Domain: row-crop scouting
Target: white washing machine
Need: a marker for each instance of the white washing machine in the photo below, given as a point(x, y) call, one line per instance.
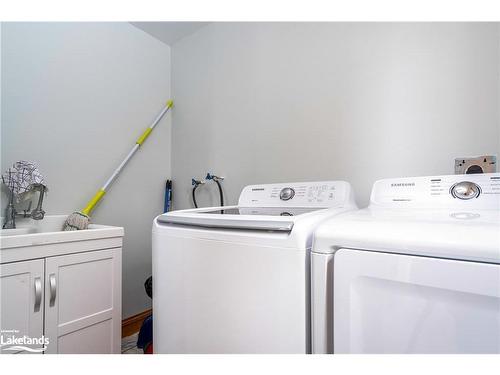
point(236, 279)
point(418, 271)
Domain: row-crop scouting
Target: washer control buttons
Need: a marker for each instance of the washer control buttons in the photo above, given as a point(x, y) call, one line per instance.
point(286, 194)
point(465, 190)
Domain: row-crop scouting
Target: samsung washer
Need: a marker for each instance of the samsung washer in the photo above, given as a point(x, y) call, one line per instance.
point(235, 279)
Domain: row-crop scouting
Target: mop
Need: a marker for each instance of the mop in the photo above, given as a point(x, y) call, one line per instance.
point(80, 220)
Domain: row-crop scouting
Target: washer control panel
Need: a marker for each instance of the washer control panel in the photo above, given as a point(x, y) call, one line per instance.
point(478, 191)
point(299, 194)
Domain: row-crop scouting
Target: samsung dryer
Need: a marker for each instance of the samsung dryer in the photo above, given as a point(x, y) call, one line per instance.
point(418, 271)
point(236, 279)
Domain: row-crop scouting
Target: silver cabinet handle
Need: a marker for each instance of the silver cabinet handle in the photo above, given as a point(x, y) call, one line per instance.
point(53, 288)
point(38, 293)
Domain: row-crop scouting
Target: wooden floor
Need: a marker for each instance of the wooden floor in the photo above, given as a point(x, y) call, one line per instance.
point(133, 324)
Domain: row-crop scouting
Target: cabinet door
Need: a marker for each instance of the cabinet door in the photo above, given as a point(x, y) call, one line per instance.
point(83, 302)
point(21, 304)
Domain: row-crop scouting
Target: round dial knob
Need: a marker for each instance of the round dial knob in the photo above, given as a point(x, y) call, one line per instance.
point(286, 194)
point(465, 190)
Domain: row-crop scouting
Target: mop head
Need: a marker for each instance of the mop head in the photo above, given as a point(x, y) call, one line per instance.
point(76, 221)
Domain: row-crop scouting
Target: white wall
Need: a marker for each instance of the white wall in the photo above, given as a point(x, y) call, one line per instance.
point(274, 102)
point(75, 97)
point(254, 102)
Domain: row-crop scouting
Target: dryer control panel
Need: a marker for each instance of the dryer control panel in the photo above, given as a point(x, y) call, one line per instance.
point(297, 194)
point(475, 191)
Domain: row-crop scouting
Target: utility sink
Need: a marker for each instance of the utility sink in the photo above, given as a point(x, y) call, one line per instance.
point(17, 231)
point(34, 237)
point(50, 224)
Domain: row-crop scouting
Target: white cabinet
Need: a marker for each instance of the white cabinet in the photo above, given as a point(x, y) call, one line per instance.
point(62, 286)
point(21, 301)
point(82, 304)
point(73, 300)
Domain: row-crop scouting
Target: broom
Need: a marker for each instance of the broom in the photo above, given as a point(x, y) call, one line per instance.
point(80, 220)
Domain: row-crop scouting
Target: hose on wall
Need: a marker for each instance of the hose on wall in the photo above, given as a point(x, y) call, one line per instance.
point(197, 183)
point(221, 194)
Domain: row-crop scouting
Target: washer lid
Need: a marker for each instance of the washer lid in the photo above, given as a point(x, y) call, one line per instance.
point(234, 217)
point(257, 211)
point(270, 207)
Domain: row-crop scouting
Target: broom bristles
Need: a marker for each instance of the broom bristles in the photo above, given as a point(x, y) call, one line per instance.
point(76, 221)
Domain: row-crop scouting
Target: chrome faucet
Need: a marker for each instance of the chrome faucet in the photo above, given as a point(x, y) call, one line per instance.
point(10, 212)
